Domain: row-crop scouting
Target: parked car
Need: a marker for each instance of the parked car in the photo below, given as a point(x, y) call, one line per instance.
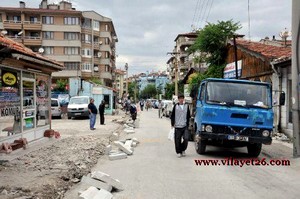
point(55, 109)
point(78, 106)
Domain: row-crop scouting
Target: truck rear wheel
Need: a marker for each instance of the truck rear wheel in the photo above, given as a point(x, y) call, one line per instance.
point(254, 149)
point(200, 146)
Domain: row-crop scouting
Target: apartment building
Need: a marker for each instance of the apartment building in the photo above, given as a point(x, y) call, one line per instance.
point(83, 41)
point(120, 83)
point(180, 59)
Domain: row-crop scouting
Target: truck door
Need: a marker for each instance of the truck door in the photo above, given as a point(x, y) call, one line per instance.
point(199, 106)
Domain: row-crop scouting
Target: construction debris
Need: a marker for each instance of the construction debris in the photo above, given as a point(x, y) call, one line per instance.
point(107, 179)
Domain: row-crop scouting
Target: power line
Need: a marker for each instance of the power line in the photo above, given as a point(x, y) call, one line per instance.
point(196, 8)
point(249, 20)
point(209, 10)
point(200, 14)
point(203, 17)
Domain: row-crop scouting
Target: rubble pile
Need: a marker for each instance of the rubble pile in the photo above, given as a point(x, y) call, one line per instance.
point(281, 137)
point(98, 185)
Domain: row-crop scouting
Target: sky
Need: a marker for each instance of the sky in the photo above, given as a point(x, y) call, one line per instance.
point(146, 29)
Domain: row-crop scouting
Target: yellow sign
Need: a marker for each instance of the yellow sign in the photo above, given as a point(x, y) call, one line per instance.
point(9, 79)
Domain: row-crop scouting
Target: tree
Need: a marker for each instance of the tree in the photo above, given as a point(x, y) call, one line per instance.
point(60, 85)
point(149, 91)
point(212, 42)
point(170, 89)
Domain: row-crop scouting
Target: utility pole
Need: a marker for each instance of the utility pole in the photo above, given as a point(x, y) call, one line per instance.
point(235, 57)
point(126, 68)
point(295, 75)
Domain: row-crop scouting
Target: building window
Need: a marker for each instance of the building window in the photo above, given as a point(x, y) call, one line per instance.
point(71, 51)
point(33, 19)
point(106, 41)
point(86, 38)
point(48, 35)
point(16, 18)
point(72, 65)
point(87, 66)
point(87, 23)
point(107, 68)
point(47, 20)
point(106, 28)
point(0, 17)
point(96, 25)
point(106, 55)
point(49, 50)
point(71, 21)
point(71, 36)
point(86, 52)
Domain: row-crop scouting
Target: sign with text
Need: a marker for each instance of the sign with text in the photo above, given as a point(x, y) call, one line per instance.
point(229, 70)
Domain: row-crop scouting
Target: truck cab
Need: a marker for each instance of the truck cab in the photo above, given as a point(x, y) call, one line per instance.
point(233, 113)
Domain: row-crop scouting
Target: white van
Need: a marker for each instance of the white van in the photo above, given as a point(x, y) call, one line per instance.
point(78, 106)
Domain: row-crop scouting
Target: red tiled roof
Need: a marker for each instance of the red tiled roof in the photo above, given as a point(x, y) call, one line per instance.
point(4, 41)
point(268, 51)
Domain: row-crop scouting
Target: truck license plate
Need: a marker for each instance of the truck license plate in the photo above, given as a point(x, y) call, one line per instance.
point(77, 113)
point(238, 138)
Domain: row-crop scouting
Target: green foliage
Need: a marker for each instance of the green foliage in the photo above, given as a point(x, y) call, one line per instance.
point(60, 85)
point(212, 40)
point(96, 80)
point(149, 91)
point(170, 90)
point(133, 86)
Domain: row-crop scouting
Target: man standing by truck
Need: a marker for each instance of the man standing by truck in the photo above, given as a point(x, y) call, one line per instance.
point(180, 121)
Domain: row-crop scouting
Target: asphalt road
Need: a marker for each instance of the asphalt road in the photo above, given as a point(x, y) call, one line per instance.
point(154, 171)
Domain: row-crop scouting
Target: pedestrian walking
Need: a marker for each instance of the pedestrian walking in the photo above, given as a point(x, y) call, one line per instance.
point(93, 113)
point(142, 105)
point(101, 112)
point(180, 121)
point(159, 106)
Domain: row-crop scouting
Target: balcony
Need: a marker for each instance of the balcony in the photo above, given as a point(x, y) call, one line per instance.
point(32, 41)
point(30, 25)
point(15, 38)
point(105, 75)
point(11, 24)
point(105, 61)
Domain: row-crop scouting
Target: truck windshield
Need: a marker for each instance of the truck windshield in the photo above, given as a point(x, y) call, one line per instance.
point(238, 94)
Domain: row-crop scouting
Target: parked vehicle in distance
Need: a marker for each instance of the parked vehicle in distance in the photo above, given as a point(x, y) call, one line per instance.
point(55, 109)
point(167, 107)
point(78, 107)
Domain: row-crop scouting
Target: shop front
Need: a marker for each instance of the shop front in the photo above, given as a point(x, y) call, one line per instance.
point(24, 92)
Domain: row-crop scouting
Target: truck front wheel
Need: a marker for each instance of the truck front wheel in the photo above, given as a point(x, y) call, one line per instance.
point(200, 146)
point(254, 149)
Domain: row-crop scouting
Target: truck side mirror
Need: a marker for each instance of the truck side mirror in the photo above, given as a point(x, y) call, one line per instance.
point(281, 99)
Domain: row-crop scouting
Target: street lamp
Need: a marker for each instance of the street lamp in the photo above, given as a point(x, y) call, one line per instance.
point(126, 68)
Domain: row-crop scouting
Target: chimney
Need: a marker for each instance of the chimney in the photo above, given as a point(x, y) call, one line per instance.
point(22, 4)
point(273, 38)
point(44, 4)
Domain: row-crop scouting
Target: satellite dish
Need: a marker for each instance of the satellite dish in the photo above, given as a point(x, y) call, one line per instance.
point(99, 54)
point(4, 32)
point(100, 42)
point(96, 69)
point(41, 50)
point(20, 33)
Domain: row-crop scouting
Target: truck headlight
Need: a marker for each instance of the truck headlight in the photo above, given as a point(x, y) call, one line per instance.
point(208, 128)
point(266, 133)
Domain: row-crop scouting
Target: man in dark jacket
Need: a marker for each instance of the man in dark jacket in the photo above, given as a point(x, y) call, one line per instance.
point(101, 112)
point(93, 113)
point(180, 121)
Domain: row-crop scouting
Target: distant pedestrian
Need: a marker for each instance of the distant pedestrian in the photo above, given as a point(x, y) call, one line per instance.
point(101, 112)
point(180, 121)
point(142, 105)
point(159, 106)
point(93, 113)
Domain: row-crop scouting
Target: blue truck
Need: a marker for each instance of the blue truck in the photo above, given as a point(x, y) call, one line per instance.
point(234, 113)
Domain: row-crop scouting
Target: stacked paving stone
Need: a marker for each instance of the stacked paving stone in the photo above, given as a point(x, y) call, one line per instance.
point(124, 147)
point(98, 185)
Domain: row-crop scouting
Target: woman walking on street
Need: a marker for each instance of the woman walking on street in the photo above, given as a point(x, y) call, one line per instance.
point(101, 112)
point(93, 113)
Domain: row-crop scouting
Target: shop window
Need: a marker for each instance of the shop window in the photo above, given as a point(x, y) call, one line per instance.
point(29, 106)
point(107, 101)
point(10, 103)
point(42, 100)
